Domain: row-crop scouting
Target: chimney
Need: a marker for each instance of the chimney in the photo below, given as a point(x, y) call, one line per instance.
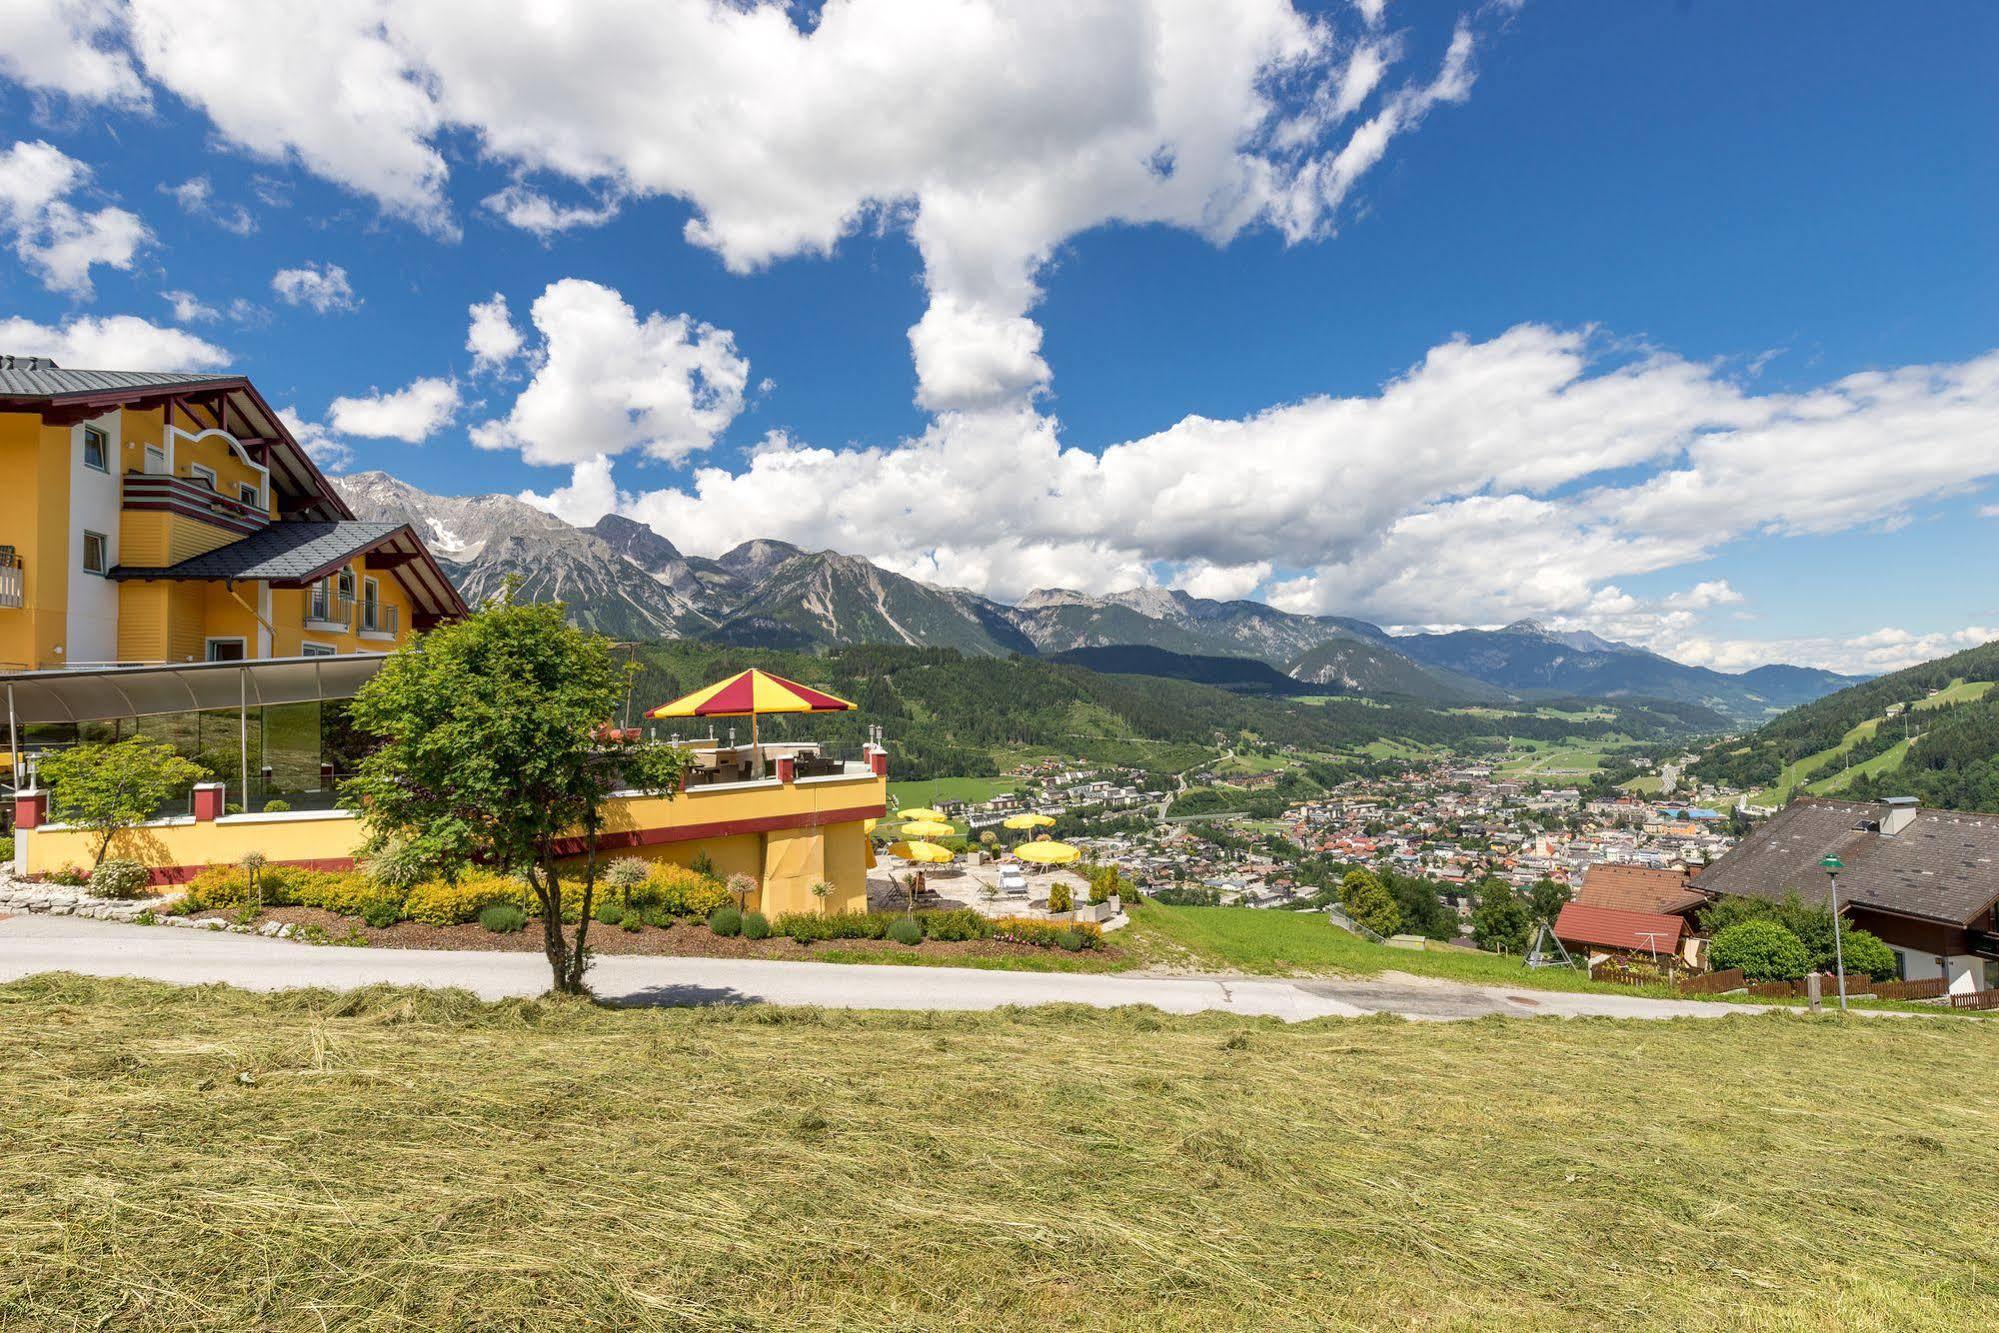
point(1898, 812)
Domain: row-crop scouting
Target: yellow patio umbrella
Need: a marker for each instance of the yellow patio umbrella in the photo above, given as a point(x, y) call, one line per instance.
point(750, 694)
point(920, 851)
point(1028, 821)
point(927, 828)
point(920, 812)
point(1048, 853)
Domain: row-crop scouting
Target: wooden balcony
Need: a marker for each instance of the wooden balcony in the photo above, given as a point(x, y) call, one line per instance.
point(191, 499)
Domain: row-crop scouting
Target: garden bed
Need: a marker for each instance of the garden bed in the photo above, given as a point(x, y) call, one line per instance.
point(685, 939)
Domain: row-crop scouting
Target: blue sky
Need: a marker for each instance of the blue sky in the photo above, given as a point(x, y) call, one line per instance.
point(1555, 316)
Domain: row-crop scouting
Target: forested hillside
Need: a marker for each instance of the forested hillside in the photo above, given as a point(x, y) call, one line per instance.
point(1930, 731)
point(948, 714)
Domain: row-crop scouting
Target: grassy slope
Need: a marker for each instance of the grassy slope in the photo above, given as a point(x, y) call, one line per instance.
point(912, 794)
point(407, 1159)
point(1795, 774)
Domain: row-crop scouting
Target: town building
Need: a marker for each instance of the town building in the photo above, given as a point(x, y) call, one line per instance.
point(1925, 881)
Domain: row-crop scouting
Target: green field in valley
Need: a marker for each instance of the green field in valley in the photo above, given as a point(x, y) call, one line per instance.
point(909, 795)
point(210, 1159)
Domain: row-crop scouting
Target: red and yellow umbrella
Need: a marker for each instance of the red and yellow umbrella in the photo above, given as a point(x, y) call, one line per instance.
point(749, 694)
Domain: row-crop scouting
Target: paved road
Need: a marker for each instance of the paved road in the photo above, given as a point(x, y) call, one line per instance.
point(32, 944)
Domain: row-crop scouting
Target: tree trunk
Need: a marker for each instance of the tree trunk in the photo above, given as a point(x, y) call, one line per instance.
point(578, 957)
point(549, 890)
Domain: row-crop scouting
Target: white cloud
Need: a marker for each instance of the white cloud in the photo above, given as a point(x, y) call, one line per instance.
point(531, 210)
point(1521, 476)
point(412, 414)
point(68, 47)
point(993, 131)
point(113, 342)
point(1887, 649)
point(196, 196)
point(1222, 582)
point(606, 382)
point(52, 236)
point(324, 287)
point(189, 308)
point(492, 338)
point(332, 455)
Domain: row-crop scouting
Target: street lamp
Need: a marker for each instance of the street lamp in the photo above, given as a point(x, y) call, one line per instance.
point(1832, 865)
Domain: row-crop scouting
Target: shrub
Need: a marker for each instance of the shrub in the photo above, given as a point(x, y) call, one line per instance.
point(232, 809)
point(608, 914)
point(702, 865)
point(1060, 899)
point(1764, 950)
point(905, 930)
point(740, 886)
point(726, 920)
point(218, 888)
point(502, 918)
point(439, 902)
point(633, 921)
point(805, 927)
point(382, 912)
point(1070, 940)
point(1046, 934)
point(397, 865)
point(677, 890)
point(1865, 952)
point(71, 877)
point(117, 877)
point(625, 874)
point(756, 926)
point(276, 806)
point(1106, 882)
point(960, 923)
point(7, 850)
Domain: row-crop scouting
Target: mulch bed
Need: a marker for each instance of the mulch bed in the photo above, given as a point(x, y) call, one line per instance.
point(688, 939)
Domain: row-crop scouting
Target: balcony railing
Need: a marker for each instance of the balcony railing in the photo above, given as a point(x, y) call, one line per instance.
point(379, 620)
point(181, 495)
point(13, 582)
point(325, 612)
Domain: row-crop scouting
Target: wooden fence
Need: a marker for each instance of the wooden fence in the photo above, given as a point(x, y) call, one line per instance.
point(1714, 983)
point(1731, 979)
point(1978, 999)
point(1928, 989)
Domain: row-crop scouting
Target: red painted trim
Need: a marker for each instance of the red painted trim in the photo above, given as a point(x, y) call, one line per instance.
point(723, 828)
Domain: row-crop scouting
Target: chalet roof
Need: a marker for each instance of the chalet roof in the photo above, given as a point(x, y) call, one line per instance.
point(1639, 889)
point(1944, 866)
point(39, 377)
point(1610, 928)
point(299, 553)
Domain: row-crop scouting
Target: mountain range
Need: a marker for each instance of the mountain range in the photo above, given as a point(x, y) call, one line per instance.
point(624, 579)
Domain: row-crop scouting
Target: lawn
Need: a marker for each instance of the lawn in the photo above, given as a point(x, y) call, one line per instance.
point(1886, 762)
point(1795, 773)
point(910, 795)
point(1278, 943)
point(211, 1159)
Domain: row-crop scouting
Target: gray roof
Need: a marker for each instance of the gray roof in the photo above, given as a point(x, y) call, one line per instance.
point(1944, 866)
point(280, 553)
point(39, 377)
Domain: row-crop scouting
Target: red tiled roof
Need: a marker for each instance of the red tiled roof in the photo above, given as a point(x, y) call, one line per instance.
point(1611, 928)
point(1638, 889)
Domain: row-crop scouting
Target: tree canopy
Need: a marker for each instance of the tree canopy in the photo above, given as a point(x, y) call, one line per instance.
point(109, 788)
point(487, 754)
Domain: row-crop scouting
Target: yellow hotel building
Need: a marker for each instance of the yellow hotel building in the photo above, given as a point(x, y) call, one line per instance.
point(167, 548)
point(154, 518)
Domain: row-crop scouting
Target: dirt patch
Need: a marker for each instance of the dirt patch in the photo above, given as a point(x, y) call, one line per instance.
point(688, 939)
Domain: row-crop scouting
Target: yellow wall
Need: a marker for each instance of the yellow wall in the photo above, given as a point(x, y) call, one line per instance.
point(785, 862)
point(34, 520)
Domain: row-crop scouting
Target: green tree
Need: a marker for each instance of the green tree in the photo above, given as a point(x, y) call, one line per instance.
point(1501, 920)
point(1370, 903)
point(487, 754)
point(109, 788)
point(1546, 897)
point(1763, 949)
point(1867, 952)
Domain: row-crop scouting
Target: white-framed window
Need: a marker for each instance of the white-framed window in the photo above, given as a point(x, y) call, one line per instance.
point(250, 495)
point(204, 475)
point(156, 461)
point(96, 449)
point(316, 650)
point(227, 650)
point(96, 553)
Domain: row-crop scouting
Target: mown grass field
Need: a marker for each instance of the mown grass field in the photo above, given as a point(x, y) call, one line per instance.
point(209, 1159)
point(912, 794)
